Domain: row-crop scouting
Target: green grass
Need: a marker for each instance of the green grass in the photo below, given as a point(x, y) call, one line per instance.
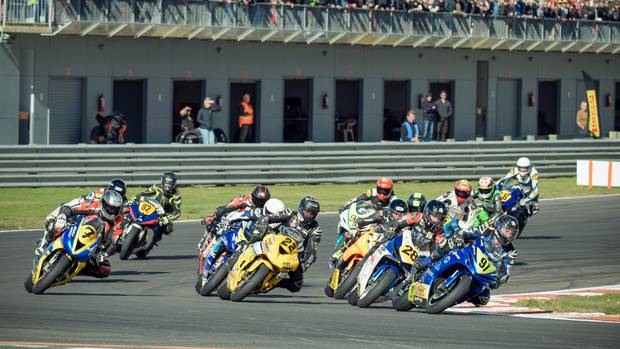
point(28, 207)
point(608, 304)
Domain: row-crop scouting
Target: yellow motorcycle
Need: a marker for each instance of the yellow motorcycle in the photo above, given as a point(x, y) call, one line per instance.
point(262, 265)
point(65, 257)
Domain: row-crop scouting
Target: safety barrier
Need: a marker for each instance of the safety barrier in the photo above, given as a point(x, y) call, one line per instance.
point(87, 165)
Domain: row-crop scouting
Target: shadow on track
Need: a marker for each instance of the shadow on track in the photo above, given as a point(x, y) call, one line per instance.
point(258, 300)
point(133, 272)
point(173, 257)
point(100, 294)
point(542, 237)
point(104, 281)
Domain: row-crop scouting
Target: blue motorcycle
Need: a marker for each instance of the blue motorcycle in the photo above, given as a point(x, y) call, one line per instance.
point(456, 278)
point(212, 266)
point(510, 197)
point(384, 270)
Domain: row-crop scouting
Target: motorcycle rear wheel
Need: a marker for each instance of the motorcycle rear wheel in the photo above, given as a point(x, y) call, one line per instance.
point(28, 284)
point(251, 284)
point(377, 289)
point(214, 281)
point(353, 297)
point(59, 268)
point(453, 296)
point(223, 292)
point(130, 242)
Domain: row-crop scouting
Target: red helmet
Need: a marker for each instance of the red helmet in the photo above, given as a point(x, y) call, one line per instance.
point(384, 188)
point(462, 190)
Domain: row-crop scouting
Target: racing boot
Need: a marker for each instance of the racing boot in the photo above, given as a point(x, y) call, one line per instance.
point(482, 299)
point(99, 270)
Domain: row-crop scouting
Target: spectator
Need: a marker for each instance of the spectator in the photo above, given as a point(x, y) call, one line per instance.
point(246, 119)
point(205, 121)
point(444, 110)
point(582, 118)
point(409, 130)
point(430, 112)
point(187, 123)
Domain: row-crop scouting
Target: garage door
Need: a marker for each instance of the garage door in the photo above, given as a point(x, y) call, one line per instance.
point(65, 103)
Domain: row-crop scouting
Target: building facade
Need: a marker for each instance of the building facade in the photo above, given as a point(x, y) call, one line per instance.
point(301, 91)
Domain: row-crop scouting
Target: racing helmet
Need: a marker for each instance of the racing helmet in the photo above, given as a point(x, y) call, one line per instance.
point(273, 206)
point(260, 195)
point(462, 190)
point(308, 209)
point(434, 216)
point(168, 182)
point(111, 203)
point(384, 189)
point(524, 166)
point(506, 229)
point(397, 208)
point(416, 202)
point(486, 187)
point(119, 186)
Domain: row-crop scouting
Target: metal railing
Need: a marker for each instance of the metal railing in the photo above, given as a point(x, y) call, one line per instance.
point(80, 165)
point(303, 18)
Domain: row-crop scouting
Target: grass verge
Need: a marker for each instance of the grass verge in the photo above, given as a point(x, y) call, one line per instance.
point(22, 208)
point(608, 304)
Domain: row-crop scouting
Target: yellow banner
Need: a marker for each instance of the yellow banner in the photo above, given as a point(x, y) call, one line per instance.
point(593, 110)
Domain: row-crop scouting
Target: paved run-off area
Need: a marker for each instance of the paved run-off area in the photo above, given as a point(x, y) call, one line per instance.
point(570, 244)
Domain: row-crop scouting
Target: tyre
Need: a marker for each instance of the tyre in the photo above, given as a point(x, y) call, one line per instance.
point(223, 292)
point(198, 284)
point(57, 270)
point(250, 284)
point(377, 289)
point(149, 243)
point(328, 290)
point(28, 283)
point(353, 297)
point(401, 302)
point(347, 283)
point(458, 291)
point(130, 242)
point(214, 281)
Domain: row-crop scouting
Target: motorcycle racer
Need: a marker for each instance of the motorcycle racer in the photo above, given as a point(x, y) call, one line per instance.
point(257, 199)
point(104, 211)
point(488, 195)
point(526, 176)
point(459, 201)
point(168, 196)
point(304, 221)
point(379, 196)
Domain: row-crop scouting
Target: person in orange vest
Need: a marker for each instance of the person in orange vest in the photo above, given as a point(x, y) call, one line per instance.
point(246, 119)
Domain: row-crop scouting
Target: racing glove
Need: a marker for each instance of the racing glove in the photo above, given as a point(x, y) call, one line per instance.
point(60, 222)
point(523, 202)
point(456, 241)
point(164, 220)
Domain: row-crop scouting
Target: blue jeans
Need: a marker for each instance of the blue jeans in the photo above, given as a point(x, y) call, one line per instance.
point(208, 136)
point(429, 124)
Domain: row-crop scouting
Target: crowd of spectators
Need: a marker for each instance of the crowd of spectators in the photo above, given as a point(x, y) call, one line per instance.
point(558, 9)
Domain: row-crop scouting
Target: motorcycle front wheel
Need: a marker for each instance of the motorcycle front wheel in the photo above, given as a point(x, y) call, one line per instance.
point(251, 284)
point(56, 271)
point(451, 298)
point(377, 289)
point(214, 281)
point(129, 243)
point(348, 283)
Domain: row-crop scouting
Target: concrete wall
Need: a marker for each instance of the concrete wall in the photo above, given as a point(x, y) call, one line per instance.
point(101, 60)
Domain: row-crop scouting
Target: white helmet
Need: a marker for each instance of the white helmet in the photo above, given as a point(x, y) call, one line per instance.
point(524, 166)
point(273, 206)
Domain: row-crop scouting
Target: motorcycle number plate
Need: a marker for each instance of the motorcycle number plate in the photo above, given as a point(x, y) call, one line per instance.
point(146, 208)
point(505, 195)
point(418, 290)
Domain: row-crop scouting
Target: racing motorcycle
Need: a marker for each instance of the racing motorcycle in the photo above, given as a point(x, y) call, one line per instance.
point(459, 276)
point(384, 270)
point(344, 273)
point(347, 228)
point(510, 197)
point(213, 258)
point(263, 264)
point(65, 257)
point(138, 236)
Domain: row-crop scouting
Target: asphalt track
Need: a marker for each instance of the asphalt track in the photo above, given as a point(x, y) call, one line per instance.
point(571, 243)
